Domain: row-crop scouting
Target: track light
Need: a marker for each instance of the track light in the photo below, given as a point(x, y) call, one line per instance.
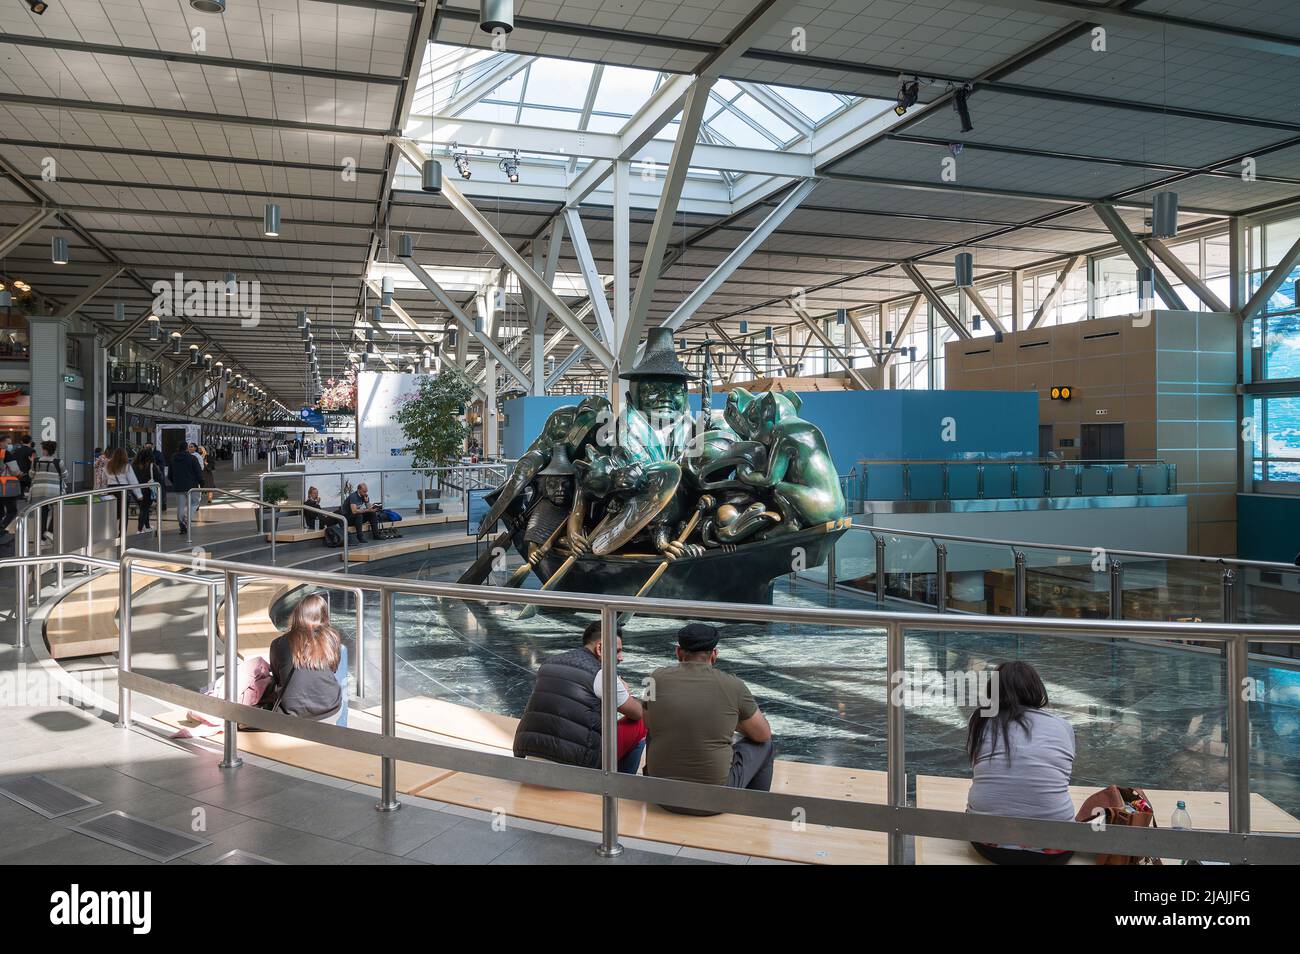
point(908, 91)
point(462, 162)
point(38, 6)
point(271, 220)
point(59, 250)
point(959, 103)
point(510, 166)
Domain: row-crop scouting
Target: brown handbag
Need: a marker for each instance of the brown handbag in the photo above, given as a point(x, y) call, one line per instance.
point(1118, 804)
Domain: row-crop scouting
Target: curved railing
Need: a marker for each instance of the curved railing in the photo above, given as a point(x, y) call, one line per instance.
point(461, 477)
point(275, 508)
point(896, 817)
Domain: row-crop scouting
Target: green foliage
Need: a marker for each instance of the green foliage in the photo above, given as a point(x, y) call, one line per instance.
point(275, 493)
point(430, 419)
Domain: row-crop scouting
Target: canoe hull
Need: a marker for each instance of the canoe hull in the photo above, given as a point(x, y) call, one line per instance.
point(741, 575)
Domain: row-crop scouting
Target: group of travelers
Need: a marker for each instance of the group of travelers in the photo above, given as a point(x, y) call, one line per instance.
point(356, 509)
point(701, 724)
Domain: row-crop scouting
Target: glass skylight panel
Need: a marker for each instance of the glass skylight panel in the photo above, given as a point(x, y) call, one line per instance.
point(738, 132)
point(766, 118)
point(557, 83)
point(624, 90)
point(815, 105)
point(550, 118)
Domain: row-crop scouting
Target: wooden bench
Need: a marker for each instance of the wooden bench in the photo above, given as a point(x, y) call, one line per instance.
point(382, 551)
point(84, 621)
point(431, 520)
point(1209, 810)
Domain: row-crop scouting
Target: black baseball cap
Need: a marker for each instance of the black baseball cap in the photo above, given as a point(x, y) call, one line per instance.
point(697, 637)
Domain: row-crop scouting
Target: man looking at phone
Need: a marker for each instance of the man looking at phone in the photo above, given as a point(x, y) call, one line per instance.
point(359, 510)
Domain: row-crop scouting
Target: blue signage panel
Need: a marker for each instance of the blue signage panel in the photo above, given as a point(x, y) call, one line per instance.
point(478, 507)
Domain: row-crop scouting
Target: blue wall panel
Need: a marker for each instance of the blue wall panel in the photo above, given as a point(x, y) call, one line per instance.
point(871, 425)
point(1268, 527)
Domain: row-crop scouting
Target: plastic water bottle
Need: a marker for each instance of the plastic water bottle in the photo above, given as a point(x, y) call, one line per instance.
point(1180, 817)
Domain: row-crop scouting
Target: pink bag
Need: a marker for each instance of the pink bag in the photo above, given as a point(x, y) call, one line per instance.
point(254, 680)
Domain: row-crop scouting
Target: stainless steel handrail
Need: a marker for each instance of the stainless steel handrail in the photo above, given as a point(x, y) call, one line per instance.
point(189, 527)
point(500, 466)
point(35, 508)
point(984, 461)
point(896, 818)
point(1014, 466)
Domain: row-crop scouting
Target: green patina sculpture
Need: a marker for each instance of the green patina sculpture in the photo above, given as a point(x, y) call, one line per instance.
point(657, 483)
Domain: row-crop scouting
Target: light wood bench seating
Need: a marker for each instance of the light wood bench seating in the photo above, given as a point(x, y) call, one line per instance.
point(84, 621)
point(382, 551)
point(431, 520)
point(1209, 810)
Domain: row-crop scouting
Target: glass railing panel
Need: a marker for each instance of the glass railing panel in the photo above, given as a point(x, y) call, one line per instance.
point(924, 481)
point(1094, 480)
point(1124, 479)
point(910, 568)
point(1066, 583)
point(1268, 596)
point(882, 482)
point(1153, 715)
point(981, 578)
point(1155, 478)
point(1175, 590)
point(1063, 481)
point(1031, 480)
point(854, 556)
point(963, 481)
point(997, 480)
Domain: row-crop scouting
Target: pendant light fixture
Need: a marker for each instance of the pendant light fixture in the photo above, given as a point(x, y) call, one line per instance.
point(176, 342)
point(302, 319)
point(964, 268)
point(155, 328)
point(271, 220)
point(230, 284)
point(1164, 215)
point(196, 359)
point(431, 176)
point(386, 291)
point(59, 250)
point(405, 246)
point(119, 311)
point(496, 15)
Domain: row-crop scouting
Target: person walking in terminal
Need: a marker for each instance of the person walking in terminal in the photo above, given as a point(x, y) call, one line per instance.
point(1021, 757)
point(310, 665)
point(561, 722)
point(703, 724)
point(120, 474)
point(186, 474)
point(49, 479)
point(359, 510)
point(311, 519)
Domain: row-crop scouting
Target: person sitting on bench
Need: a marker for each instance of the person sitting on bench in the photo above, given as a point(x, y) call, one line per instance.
point(310, 518)
point(703, 724)
point(358, 509)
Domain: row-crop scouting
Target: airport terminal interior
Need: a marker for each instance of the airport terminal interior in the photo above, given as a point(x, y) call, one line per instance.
point(649, 432)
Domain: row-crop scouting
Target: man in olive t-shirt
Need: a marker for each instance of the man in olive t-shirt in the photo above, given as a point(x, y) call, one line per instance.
point(693, 718)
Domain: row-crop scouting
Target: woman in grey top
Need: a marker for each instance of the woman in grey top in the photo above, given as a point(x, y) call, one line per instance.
point(1021, 758)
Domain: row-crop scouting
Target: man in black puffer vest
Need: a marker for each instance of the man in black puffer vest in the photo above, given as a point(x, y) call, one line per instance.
point(561, 722)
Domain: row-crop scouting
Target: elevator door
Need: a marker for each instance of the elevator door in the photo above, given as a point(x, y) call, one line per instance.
point(1103, 442)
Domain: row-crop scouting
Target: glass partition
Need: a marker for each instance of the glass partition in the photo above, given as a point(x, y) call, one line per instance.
point(1066, 583)
point(909, 568)
point(981, 578)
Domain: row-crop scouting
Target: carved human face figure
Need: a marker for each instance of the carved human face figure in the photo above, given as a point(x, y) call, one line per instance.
point(662, 400)
point(556, 490)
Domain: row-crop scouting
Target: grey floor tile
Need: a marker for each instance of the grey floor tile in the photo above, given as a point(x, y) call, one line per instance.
point(319, 810)
point(471, 842)
point(286, 845)
point(367, 857)
point(74, 848)
point(538, 849)
point(237, 787)
point(401, 832)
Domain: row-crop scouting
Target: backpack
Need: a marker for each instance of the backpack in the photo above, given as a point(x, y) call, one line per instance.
point(333, 538)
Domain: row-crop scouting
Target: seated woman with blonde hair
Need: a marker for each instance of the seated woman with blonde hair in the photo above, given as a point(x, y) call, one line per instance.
point(310, 665)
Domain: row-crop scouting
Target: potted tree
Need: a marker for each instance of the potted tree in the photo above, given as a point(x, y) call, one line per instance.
point(431, 423)
point(272, 494)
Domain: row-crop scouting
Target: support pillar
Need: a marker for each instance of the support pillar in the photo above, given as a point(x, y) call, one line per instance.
point(94, 398)
point(47, 337)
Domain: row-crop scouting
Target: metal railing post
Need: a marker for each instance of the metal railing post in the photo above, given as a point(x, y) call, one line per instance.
point(880, 571)
point(1237, 651)
point(896, 771)
point(830, 568)
point(1229, 594)
point(124, 573)
point(360, 663)
point(275, 519)
point(189, 516)
point(230, 730)
point(347, 531)
point(387, 702)
point(210, 628)
point(1022, 601)
point(609, 846)
point(1116, 590)
point(121, 525)
point(941, 577)
point(20, 604)
point(90, 527)
point(58, 516)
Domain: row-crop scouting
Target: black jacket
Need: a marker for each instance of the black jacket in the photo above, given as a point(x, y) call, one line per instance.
point(561, 722)
point(186, 474)
point(310, 693)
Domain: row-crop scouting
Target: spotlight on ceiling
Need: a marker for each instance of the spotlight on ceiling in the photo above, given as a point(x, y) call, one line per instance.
point(960, 97)
point(38, 6)
point(908, 91)
point(462, 162)
point(209, 6)
point(496, 15)
point(510, 166)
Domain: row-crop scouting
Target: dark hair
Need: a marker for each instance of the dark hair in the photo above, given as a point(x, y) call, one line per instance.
point(1019, 689)
point(49, 447)
point(591, 635)
point(313, 642)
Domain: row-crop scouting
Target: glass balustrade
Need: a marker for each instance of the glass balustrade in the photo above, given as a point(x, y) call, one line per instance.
point(923, 480)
